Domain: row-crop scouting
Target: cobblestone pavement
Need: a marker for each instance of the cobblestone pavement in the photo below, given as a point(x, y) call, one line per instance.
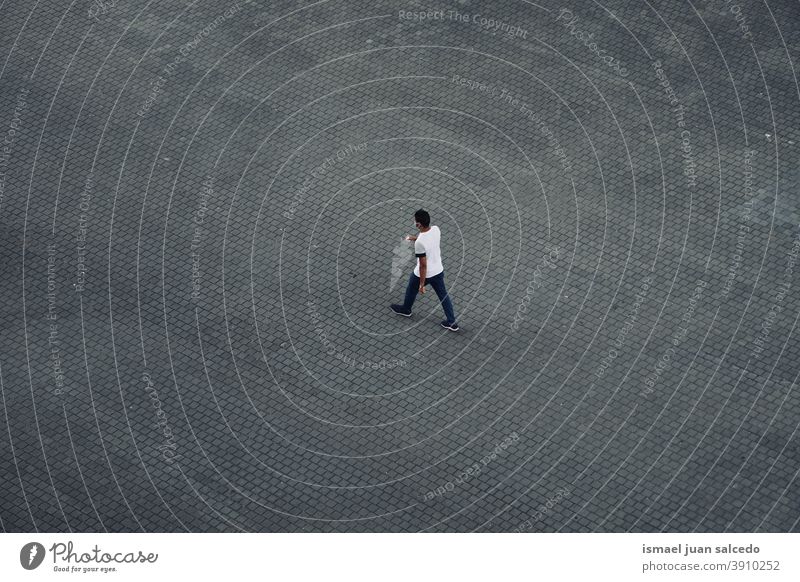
point(202, 207)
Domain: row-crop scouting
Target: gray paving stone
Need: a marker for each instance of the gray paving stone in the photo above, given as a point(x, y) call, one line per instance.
point(225, 359)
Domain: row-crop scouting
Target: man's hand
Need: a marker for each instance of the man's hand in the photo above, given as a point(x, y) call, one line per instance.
point(411, 238)
point(422, 289)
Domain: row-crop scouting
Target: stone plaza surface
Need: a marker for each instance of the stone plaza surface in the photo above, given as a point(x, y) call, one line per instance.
point(202, 208)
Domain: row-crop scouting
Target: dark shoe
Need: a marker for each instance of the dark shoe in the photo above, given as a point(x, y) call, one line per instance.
point(451, 326)
point(398, 309)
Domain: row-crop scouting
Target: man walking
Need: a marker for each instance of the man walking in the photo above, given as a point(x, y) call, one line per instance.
point(429, 269)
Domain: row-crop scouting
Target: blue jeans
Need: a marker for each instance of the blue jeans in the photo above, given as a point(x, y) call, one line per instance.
point(437, 282)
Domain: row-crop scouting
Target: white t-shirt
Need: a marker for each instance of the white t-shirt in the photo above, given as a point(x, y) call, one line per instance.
point(427, 245)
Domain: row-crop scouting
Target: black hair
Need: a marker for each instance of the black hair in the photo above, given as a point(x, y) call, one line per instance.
point(423, 218)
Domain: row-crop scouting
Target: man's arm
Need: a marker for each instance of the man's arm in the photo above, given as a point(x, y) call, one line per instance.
point(419, 251)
